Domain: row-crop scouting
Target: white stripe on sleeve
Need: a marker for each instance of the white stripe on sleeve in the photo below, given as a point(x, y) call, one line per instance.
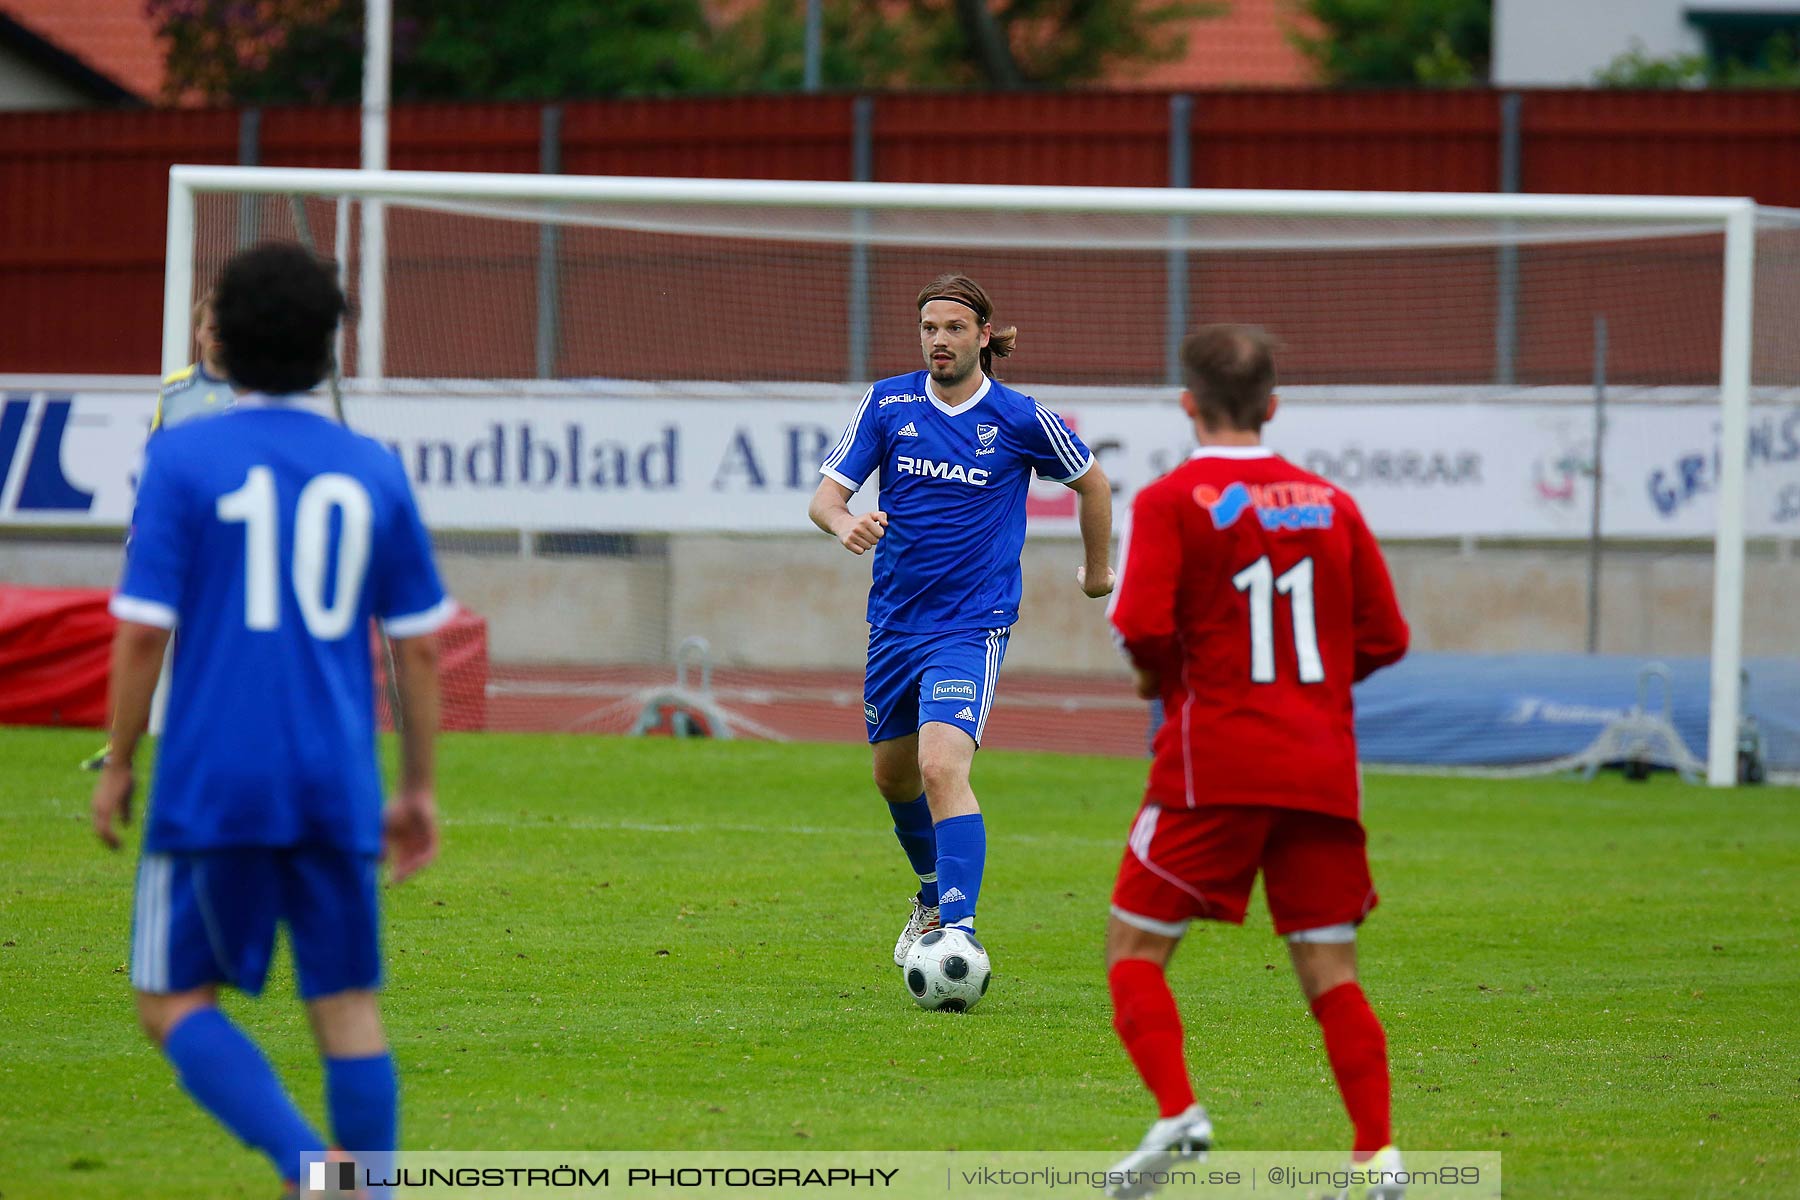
point(140, 611)
point(411, 625)
point(848, 438)
point(1060, 441)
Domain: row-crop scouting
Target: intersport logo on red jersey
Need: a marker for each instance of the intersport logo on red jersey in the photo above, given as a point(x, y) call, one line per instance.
point(1287, 504)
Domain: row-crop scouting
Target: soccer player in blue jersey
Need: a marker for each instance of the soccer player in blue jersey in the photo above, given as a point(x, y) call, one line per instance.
point(955, 450)
point(271, 536)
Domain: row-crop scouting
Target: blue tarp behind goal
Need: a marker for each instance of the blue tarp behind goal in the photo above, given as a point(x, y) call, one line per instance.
point(1496, 710)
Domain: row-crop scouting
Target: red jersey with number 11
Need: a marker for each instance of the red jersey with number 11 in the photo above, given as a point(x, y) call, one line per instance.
point(1258, 595)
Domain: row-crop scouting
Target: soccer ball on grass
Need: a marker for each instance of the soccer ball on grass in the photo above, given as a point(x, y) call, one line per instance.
point(947, 969)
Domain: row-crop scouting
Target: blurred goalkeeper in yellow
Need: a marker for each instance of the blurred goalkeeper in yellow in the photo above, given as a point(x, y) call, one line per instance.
point(197, 390)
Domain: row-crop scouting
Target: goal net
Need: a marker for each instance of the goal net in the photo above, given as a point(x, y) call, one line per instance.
point(1573, 422)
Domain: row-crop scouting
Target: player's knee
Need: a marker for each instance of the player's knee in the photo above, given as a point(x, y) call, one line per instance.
point(943, 773)
point(151, 1022)
point(158, 1013)
point(897, 782)
point(1323, 958)
point(1125, 941)
point(348, 1024)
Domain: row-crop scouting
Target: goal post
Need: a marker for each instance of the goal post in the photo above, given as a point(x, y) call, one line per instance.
point(1148, 227)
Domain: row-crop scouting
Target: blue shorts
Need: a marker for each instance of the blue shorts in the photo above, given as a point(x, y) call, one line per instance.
point(210, 918)
point(918, 677)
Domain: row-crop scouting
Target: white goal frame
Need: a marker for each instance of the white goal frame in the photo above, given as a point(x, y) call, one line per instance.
point(1735, 218)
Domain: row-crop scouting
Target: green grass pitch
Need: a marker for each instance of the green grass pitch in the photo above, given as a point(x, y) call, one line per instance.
point(639, 945)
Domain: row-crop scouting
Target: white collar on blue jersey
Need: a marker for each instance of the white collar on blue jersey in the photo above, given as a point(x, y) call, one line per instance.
point(311, 402)
point(1242, 452)
point(965, 406)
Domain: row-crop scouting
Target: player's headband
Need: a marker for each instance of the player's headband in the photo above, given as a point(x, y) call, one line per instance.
point(954, 300)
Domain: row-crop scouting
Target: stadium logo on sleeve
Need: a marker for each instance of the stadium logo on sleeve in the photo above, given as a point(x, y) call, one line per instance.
point(1289, 504)
point(954, 689)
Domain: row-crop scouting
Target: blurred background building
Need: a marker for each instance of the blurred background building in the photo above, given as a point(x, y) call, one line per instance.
point(77, 54)
point(1553, 43)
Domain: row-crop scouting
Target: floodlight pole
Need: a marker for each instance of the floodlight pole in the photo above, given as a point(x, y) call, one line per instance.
point(1728, 545)
point(372, 278)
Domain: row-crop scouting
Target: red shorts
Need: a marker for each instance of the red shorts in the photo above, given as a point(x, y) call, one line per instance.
point(1182, 863)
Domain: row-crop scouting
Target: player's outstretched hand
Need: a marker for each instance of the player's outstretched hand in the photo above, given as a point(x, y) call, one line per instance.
point(409, 833)
point(1096, 588)
point(112, 801)
point(864, 533)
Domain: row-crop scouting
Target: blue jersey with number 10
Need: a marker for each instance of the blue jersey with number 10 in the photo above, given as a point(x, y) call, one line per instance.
point(268, 538)
point(953, 484)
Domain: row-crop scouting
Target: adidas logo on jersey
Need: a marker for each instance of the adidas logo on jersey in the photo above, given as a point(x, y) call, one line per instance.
point(952, 896)
point(907, 430)
point(967, 714)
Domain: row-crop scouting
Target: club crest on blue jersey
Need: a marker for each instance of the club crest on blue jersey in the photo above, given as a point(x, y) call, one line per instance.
point(987, 433)
point(1289, 504)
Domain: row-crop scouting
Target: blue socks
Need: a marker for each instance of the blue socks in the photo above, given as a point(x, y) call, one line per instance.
point(962, 853)
point(362, 1096)
point(228, 1076)
point(912, 825)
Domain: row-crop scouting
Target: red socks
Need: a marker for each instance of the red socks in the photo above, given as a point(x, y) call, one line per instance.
point(1357, 1048)
point(1147, 1021)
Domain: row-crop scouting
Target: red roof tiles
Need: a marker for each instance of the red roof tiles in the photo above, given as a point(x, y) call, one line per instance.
point(113, 37)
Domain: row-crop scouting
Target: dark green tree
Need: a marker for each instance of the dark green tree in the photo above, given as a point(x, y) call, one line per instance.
point(1399, 43)
point(279, 51)
point(1047, 42)
point(282, 51)
point(1775, 64)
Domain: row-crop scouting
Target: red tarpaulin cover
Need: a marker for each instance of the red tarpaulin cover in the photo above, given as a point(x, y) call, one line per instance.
point(56, 650)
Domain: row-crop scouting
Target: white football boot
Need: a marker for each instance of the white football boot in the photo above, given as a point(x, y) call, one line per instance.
point(1186, 1135)
point(1382, 1177)
point(922, 921)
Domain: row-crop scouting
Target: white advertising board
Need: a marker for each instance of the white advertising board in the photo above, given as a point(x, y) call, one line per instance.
point(743, 458)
